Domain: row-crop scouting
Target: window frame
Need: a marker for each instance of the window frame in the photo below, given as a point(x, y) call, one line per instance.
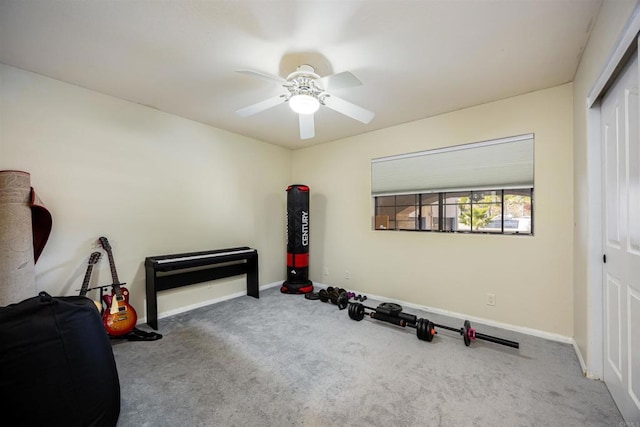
point(442, 210)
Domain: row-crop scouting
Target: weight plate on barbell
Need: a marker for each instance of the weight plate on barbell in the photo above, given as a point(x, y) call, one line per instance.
point(425, 330)
point(421, 329)
point(324, 297)
point(390, 308)
point(356, 311)
point(431, 329)
point(465, 333)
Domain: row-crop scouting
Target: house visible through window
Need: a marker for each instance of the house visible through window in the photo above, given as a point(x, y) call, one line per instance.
point(475, 188)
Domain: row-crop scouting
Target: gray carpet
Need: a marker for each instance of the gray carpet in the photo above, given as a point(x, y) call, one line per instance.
point(282, 360)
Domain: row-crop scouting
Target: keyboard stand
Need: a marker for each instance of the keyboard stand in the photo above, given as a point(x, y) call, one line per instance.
point(195, 267)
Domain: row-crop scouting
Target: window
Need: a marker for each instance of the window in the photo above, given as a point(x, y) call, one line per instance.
point(488, 211)
point(475, 188)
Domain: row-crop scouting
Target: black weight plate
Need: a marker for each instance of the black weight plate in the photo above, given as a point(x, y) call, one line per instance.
point(356, 311)
point(351, 311)
point(312, 296)
point(333, 295)
point(431, 329)
point(390, 308)
point(425, 330)
point(465, 333)
point(323, 295)
point(421, 329)
point(343, 301)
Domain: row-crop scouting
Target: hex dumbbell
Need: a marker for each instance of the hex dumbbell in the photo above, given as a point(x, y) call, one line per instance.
point(337, 296)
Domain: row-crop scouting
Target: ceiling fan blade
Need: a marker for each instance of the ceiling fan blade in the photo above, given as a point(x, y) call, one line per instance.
point(263, 76)
point(339, 81)
point(261, 106)
point(307, 126)
point(348, 109)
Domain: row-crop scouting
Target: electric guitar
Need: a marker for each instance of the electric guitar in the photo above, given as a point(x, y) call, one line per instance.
point(119, 317)
point(93, 260)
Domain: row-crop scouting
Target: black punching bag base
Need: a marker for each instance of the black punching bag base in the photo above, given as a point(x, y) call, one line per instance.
point(296, 288)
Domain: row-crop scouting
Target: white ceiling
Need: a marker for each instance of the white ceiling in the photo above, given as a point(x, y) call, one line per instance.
point(415, 58)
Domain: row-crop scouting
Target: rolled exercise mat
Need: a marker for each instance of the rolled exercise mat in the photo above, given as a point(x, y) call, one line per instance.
point(17, 269)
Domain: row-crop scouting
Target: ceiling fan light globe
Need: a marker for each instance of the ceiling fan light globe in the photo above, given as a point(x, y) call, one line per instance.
point(304, 104)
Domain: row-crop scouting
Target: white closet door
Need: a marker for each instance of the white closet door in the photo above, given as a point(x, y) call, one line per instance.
point(620, 118)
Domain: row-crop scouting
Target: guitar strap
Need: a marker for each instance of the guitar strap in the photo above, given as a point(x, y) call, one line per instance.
point(140, 335)
point(41, 223)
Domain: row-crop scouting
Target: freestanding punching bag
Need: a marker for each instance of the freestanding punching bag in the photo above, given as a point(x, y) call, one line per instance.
point(297, 241)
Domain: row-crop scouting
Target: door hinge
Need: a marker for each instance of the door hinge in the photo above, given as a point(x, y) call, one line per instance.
point(604, 258)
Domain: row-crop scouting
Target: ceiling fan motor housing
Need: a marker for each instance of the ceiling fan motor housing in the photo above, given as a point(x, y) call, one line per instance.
point(303, 82)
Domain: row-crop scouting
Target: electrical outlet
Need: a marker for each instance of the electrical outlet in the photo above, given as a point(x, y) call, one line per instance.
point(346, 274)
point(491, 299)
point(326, 271)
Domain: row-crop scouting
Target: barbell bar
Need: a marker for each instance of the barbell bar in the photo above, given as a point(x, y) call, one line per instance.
point(425, 329)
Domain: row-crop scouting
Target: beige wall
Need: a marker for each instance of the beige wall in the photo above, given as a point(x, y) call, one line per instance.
point(531, 277)
point(109, 167)
point(151, 182)
point(604, 36)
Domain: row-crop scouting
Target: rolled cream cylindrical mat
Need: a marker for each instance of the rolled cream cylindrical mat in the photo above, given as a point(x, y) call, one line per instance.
point(17, 269)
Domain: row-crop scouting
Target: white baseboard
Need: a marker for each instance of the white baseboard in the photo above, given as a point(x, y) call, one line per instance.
point(521, 329)
point(583, 365)
point(190, 307)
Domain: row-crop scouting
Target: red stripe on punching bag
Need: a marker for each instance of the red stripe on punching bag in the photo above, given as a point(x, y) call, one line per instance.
point(300, 187)
point(301, 260)
point(297, 260)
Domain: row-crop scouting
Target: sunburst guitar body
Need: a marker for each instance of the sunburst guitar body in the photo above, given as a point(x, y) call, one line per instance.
point(119, 317)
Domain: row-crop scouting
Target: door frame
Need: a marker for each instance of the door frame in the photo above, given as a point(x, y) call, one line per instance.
point(595, 283)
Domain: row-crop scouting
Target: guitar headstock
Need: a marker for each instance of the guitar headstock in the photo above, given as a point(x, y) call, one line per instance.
point(104, 243)
point(94, 258)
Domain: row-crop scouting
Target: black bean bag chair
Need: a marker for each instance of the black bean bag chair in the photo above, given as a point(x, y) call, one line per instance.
point(56, 364)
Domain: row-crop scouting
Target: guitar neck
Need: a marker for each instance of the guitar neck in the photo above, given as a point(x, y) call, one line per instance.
point(85, 281)
point(114, 273)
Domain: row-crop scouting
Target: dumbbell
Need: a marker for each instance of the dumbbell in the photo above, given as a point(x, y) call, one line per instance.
point(392, 313)
point(337, 296)
point(356, 297)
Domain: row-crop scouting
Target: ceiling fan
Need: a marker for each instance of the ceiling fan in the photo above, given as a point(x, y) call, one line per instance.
point(307, 91)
